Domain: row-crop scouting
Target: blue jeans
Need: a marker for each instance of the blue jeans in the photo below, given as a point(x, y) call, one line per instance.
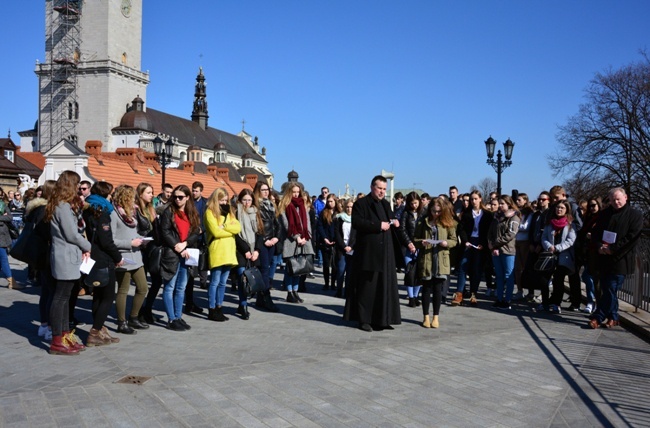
point(472, 263)
point(217, 287)
point(590, 287)
point(4, 263)
point(174, 292)
point(608, 305)
point(504, 265)
point(343, 272)
point(293, 282)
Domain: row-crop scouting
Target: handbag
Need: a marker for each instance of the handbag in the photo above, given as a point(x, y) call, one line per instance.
point(97, 277)
point(252, 278)
point(300, 264)
point(154, 259)
point(20, 249)
point(546, 262)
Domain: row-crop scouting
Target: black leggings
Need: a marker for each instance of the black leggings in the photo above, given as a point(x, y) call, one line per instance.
point(103, 298)
point(59, 310)
point(329, 263)
point(156, 283)
point(429, 287)
point(48, 286)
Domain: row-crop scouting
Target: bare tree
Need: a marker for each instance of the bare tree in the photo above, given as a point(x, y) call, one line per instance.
point(485, 186)
point(607, 142)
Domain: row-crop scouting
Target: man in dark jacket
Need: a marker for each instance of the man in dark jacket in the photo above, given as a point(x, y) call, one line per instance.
point(618, 230)
point(374, 300)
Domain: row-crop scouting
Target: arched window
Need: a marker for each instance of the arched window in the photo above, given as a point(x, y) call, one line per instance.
point(124, 58)
point(70, 111)
point(183, 156)
point(76, 110)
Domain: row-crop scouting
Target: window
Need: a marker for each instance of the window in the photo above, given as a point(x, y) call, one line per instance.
point(9, 154)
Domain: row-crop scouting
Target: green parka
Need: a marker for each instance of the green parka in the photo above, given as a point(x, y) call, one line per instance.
point(426, 254)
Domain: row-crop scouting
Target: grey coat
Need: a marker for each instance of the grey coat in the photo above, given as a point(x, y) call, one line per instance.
point(564, 249)
point(67, 244)
point(122, 236)
point(290, 246)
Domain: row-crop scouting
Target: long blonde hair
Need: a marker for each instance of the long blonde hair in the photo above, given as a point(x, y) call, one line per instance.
point(213, 203)
point(286, 197)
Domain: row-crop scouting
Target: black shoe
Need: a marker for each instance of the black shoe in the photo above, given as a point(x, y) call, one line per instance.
point(185, 325)
point(137, 324)
point(417, 302)
point(496, 304)
point(290, 298)
point(196, 309)
point(243, 311)
point(124, 328)
point(573, 308)
point(505, 305)
point(175, 325)
point(365, 327)
point(218, 315)
point(411, 302)
point(268, 302)
point(338, 294)
point(146, 316)
point(204, 286)
point(296, 296)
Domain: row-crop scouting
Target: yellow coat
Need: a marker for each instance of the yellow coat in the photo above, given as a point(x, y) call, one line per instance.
point(220, 234)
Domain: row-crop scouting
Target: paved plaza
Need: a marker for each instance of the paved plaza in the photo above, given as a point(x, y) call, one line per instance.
point(305, 367)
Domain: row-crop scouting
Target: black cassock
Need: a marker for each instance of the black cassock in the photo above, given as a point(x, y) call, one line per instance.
point(373, 297)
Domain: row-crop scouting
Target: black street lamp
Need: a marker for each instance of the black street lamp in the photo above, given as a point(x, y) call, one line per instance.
point(499, 165)
point(164, 150)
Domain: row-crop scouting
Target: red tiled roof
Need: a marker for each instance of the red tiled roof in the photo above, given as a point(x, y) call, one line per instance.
point(129, 166)
point(35, 158)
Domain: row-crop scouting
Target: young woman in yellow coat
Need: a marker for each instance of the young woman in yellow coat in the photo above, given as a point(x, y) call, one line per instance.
point(221, 227)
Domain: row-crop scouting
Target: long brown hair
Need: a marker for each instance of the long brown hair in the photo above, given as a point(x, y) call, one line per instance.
point(327, 213)
point(190, 210)
point(260, 223)
point(124, 197)
point(65, 191)
point(446, 217)
point(146, 208)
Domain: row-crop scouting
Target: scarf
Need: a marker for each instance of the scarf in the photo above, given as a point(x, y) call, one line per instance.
point(267, 205)
point(129, 221)
point(248, 220)
point(347, 218)
point(559, 223)
point(99, 203)
point(297, 218)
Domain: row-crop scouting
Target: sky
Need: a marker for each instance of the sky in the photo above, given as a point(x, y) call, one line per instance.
point(340, 90)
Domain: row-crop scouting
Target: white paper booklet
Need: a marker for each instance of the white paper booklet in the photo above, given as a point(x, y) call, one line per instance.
point(86, 265)
point(193, 260)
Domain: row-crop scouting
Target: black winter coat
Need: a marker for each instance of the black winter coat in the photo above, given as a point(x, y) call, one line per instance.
point(169, 237)
point(99, 234)
point(627, 223)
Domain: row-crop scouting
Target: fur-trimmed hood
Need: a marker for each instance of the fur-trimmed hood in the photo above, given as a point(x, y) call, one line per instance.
point(35, 203)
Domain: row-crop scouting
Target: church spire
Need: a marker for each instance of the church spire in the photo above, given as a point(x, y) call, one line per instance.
point(200, 108)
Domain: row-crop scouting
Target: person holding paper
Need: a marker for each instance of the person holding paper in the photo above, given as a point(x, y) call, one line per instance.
point(435, 234)
point(124, 224)
point(221, 226)
point(97, 217)
point(69, 249)
point(618, 230)
point(179, 230)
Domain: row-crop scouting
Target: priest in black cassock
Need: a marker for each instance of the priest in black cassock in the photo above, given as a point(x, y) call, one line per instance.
point(373, 300)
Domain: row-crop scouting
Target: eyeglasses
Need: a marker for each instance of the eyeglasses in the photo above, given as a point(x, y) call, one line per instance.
point(543, 199)
point(179, 197)
point(247, 201)
point(264, 190)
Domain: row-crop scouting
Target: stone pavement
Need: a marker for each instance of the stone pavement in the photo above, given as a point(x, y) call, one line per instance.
point(305, 367)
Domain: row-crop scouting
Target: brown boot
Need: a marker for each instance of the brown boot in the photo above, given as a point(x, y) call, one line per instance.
point(12, 285)
point(95, 338)
point(458, 299)
point(472, 300)
point(427, 322)
point(434, 322)
point(104, 333)
point(59, 347)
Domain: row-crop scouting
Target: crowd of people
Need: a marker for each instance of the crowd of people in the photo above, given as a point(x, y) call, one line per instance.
point(122, 235)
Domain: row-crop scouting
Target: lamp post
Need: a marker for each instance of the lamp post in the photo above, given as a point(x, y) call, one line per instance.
point(499, 165)
point(164, 150)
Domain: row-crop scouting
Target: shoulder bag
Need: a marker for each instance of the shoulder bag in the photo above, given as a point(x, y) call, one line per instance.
point(252, 278)
point(300, 263)
point(97, 277)
point(546, 262)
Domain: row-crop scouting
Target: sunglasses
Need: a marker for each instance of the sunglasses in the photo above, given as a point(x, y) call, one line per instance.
point(179, 197)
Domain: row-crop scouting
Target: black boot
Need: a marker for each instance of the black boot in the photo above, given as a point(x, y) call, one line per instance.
point(218, 315)
point(243, 311)
point(297, 298)
point(146, 315)
point(137, 324)
point(270, 306)
point(411, 302)
point(211, 313)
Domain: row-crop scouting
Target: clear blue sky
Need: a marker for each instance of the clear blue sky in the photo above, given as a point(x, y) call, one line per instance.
point(340, 89)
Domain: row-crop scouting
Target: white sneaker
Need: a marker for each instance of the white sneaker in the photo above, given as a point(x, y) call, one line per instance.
point(588, 309)
point(42, 330)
